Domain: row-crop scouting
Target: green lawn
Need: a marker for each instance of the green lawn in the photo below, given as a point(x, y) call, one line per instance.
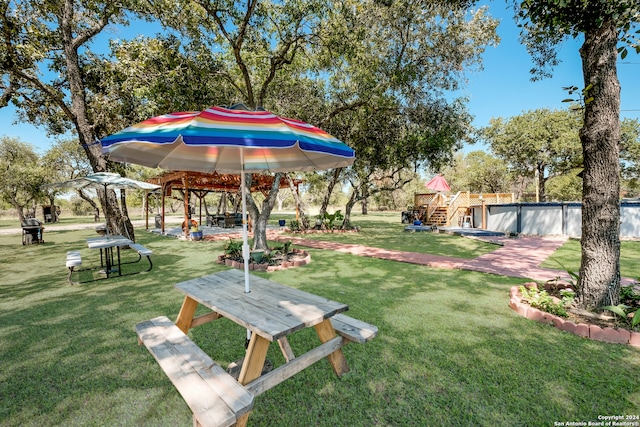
point(450, 352)
point(568, 256)
point(387, 232)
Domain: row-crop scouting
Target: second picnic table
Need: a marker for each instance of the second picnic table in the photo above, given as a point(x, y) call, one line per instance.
point(106, 245)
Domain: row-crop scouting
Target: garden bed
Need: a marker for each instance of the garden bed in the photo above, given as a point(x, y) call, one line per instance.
point(280, 261)
point(587, 325)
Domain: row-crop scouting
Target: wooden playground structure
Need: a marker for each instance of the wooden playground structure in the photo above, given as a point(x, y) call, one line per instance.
point(453, 210)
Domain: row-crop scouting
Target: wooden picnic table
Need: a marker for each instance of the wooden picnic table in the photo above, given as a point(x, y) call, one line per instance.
point(271, 312)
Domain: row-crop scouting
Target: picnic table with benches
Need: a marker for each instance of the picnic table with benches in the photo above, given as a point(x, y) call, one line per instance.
point(109, 262)
point(271, 312)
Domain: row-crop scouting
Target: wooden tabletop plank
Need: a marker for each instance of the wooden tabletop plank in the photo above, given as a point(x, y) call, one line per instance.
point(249, 310)
point(306, 307)
point(271, 310)
point(240, 310)
point(279, 290)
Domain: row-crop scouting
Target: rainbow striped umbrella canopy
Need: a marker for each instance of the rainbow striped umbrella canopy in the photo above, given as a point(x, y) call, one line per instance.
point(227, 141)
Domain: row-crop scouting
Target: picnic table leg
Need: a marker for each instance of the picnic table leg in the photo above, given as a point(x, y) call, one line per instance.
point(254, 359)
point(287, 352)
point(119, 265)
point(108, 254)
point(187, 311)
point(338, 361)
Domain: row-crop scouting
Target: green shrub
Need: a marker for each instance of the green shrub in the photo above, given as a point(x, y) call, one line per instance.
point(545, 302)
point(233, 249)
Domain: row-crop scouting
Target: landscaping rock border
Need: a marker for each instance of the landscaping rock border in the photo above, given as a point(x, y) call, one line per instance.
point(594, 332)
point(268, 268)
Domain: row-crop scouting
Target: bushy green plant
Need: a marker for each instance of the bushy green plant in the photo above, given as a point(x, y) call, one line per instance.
point(545, 302)
point(624, 313)
point(284, 248)
point(630, 315)
point(627, 293)
point(329, 220)
point(233, 249)
point(295, 225)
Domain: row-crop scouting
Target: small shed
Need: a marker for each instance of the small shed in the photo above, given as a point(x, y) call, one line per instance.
point(50, 213)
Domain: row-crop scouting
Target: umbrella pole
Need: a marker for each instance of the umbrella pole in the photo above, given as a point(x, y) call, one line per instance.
point(245, 238)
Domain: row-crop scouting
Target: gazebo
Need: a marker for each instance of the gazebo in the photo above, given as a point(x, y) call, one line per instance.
point(200, 184)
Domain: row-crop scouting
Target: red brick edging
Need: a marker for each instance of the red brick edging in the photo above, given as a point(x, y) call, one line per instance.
point(594, 332)
point(268, 268)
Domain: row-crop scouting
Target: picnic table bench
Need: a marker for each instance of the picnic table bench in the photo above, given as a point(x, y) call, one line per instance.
point(109, 262)
point(271, 312)
point(214, 397)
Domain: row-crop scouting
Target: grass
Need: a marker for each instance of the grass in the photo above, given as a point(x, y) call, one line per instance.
point(568, 255)
point(385, 231)
point(450, 351)
point(64, 220)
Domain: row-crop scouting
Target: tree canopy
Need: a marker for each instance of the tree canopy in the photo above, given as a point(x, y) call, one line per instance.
point(359, 69)
point(21, 175)
point(538, 144)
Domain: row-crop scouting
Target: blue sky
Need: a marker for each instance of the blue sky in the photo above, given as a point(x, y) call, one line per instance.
point(503, 89)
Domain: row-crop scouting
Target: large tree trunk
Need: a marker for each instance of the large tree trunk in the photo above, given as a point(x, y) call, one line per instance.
point(78, 110)
point(346, 221)
point(302, 216)
point(327, 195)
point(541, 182)
point(125, 228)
point(599, 282)
point(260, 219)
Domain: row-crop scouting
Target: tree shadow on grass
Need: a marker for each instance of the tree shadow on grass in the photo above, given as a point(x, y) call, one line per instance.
point(449, 350)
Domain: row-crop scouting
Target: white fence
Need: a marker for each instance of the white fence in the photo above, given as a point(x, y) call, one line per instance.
point(550, 218)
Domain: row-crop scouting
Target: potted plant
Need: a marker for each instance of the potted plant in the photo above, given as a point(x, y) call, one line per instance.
point(257, 256)
point(195, 233)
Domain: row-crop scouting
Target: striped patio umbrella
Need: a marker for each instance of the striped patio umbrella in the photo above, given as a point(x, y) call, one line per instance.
point(228, 140)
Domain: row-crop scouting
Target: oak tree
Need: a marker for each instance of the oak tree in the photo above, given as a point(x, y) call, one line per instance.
point(539, 144)
point(607, 30)
point(44, 45)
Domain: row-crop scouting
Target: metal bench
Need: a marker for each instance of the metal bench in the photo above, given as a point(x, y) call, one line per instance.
point(74, 259)
point(143, 251)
